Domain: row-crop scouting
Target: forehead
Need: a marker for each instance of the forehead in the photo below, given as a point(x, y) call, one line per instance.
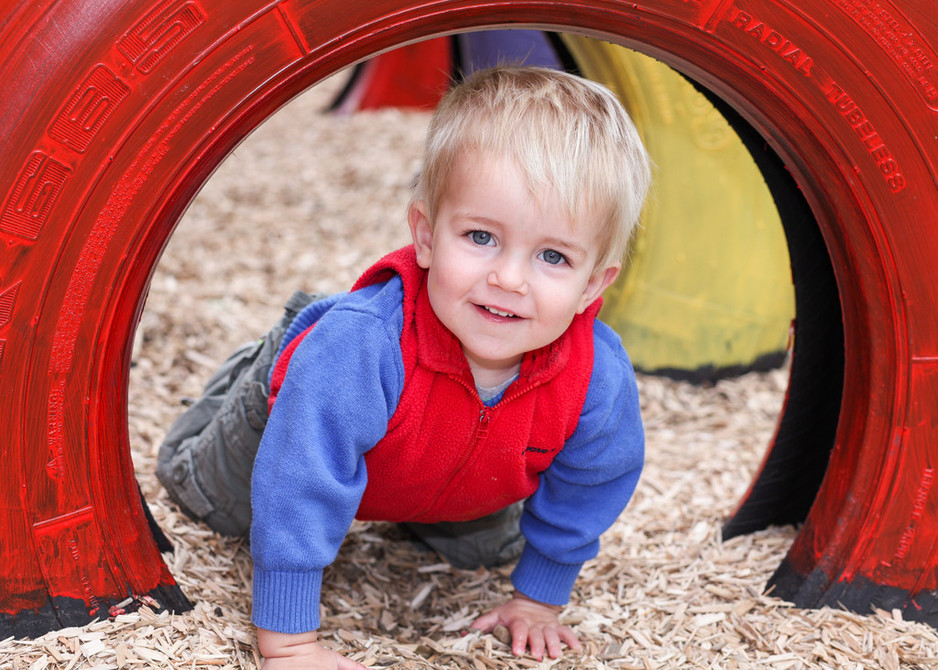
point(484, 178)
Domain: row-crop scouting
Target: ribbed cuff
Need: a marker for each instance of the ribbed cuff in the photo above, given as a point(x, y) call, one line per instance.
point(542, 579)
point(286, 602)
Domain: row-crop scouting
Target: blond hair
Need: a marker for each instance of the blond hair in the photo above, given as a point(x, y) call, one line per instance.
point(565, 133)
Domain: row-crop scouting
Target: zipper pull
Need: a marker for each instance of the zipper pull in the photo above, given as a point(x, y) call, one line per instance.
point(484, 417)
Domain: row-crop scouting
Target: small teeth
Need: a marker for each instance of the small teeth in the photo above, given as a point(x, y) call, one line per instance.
point(498, 312)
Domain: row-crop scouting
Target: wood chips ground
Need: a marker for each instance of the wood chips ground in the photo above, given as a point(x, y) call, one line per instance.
point(309, 201)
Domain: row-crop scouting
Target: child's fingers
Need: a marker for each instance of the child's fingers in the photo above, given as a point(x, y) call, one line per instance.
point(556, 636)
point(519, 637)
point(552, 640)
point(569, 637)
point(537, 641)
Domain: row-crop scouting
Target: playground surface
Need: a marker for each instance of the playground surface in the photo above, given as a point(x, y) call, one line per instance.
point(308, 202)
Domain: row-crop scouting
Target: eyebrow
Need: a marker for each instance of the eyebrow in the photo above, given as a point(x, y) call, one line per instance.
point(472, 218)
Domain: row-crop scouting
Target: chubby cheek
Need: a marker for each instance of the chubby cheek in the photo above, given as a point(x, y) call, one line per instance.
point(452, 283)
point(445, 295)
point(561, 308)
point(438, 289)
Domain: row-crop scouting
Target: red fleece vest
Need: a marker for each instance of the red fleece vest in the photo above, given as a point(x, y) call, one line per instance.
point(446, 456)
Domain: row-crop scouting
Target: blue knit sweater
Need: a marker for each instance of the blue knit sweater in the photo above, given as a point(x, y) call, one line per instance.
point(343, 386)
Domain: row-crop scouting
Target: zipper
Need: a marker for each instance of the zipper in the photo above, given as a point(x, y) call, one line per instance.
point(478, 436)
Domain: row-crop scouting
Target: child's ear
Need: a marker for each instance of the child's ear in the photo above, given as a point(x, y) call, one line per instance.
point(420, 231)
point(598, 283)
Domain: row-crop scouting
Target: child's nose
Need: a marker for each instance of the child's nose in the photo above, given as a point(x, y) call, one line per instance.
point(509, 276)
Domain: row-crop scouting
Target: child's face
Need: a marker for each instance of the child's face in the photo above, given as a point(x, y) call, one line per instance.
point(507, 271)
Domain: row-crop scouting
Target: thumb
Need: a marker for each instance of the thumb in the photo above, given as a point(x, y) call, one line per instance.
point(486, 623)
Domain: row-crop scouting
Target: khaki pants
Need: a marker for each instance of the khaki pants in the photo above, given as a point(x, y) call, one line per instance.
point(206, 458)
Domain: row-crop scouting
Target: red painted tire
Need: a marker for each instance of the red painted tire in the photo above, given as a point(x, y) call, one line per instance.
point(114, 113)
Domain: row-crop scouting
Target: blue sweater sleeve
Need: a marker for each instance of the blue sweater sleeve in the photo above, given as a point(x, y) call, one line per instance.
point(306, 318)
point(341, 388)
point(590, 481)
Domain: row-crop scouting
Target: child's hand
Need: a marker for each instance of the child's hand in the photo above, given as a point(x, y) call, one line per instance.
point(531, 624)
point(282, 651)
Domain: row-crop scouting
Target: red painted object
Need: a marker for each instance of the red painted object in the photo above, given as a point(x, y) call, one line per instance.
point(413, 77)
point(115, 111)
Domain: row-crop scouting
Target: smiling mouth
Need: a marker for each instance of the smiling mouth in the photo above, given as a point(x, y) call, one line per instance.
point(499, 312)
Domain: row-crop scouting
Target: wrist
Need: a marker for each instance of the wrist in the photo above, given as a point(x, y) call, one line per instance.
point(272, 644)
point(520, 596)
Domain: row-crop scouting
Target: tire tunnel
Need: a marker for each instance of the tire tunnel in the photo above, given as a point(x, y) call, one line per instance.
point(108, 130)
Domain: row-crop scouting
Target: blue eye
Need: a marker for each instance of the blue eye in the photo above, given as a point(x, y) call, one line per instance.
point(480, 237)
point(552, 257)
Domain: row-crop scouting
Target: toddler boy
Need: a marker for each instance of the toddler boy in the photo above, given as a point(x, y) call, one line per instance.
point(460, 376)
